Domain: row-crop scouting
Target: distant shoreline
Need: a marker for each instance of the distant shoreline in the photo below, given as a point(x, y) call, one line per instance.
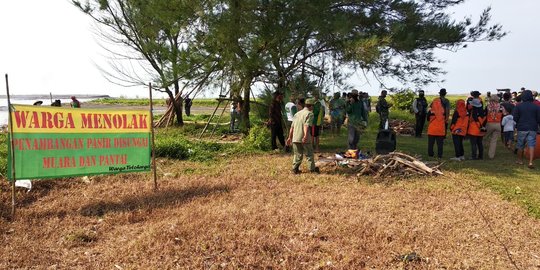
point(39, 96)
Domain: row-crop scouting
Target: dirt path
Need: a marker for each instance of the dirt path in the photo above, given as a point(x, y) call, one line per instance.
point(251, 213)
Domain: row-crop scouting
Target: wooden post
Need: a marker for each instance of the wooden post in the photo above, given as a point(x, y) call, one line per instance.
point(210, 119)
point(12, 152)
point(153, 140)
point(219, 119)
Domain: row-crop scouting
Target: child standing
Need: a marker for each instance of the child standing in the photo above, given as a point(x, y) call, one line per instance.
point(300, 137)
point(508, 124)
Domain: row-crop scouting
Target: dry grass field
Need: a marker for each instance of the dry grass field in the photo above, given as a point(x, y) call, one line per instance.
point(250, 212)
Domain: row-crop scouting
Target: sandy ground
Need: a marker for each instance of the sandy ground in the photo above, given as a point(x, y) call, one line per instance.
point(251, 213)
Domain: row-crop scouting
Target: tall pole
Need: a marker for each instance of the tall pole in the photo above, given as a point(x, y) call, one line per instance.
point(153, 140)
point(12, 151)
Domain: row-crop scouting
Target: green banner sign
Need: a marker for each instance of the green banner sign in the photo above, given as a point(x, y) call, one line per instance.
point(51, 142)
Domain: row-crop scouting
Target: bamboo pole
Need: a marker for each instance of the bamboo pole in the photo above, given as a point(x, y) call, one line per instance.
point(210, 119)
point(12, 152)
point(153, 139)
point(219, 119)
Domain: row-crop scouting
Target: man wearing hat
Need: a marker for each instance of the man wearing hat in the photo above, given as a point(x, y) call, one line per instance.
point(300, 136)
point(357, 121)
point(420, 107)
point(382, 109)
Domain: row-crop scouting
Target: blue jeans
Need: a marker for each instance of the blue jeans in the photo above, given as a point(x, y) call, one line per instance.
point(526, 136)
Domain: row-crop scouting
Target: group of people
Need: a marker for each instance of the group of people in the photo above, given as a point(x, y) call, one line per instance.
point(478, 120)
point(305, 118)
point(513, 116)
point(75, 103)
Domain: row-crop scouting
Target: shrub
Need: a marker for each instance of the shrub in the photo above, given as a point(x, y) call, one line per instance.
point(403, 99)
point(258, 138)
point(3, 153)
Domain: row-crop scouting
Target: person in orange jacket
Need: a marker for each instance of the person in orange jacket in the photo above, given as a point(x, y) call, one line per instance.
point(437, 127)
point(476, 129)
point(458, 128)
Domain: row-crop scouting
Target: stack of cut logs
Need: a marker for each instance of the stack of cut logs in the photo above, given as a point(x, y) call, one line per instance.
point(395, 164)
point(402, 127)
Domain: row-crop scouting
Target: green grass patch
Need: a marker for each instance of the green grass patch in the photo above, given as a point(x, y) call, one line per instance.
point(514, 182)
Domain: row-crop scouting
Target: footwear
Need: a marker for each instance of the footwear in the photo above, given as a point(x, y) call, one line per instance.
point(296, 171)
point(316, 170)
point(455, 159)
point(462, 158)
point(531, 166)
point(519, 162)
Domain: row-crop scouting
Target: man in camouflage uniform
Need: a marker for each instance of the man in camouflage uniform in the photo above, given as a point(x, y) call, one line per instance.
point(382, 109)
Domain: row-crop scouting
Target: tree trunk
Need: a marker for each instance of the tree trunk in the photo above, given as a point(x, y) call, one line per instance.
point(177, 105)
point(178, 108)
point(246, 106)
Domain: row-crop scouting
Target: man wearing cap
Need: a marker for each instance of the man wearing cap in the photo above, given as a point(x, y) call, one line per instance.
point(420, 107)
point(276, 120)
point(357, 121)
point(382, 109)
point(300, 136)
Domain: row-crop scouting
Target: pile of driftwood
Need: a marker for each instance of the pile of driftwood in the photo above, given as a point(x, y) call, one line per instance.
point(395, 164)
point(402, 127)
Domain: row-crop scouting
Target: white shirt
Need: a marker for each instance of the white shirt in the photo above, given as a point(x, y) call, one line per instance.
point(288, 110)
point(508, 123)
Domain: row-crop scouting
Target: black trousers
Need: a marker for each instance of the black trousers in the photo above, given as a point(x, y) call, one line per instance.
point(277, 132)
point(440, 143)
point(458, 145)
point(420, 122)
point(477, 147)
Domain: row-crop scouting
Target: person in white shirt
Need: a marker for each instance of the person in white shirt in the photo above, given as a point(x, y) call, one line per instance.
point(509, 125)
point(290, 110)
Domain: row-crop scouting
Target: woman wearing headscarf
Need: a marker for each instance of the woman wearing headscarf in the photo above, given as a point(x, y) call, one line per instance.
point(458, 127)
point(476, 129)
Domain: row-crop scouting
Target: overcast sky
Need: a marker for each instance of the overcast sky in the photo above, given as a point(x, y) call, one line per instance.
point(49, 46)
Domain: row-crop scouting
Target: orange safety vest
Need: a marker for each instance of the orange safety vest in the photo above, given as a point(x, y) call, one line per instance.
point(437, 120)
point(462, 124)
point(475, 127)
point(494, 114)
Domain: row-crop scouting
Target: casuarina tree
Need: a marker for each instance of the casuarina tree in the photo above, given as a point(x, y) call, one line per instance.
point(275, 41)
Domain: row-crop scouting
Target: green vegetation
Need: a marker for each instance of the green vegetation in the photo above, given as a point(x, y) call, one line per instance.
point(201, 102)
point(515, 183)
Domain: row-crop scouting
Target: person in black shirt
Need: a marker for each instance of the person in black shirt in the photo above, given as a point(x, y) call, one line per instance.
point(420, 109)
point(276, 120)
